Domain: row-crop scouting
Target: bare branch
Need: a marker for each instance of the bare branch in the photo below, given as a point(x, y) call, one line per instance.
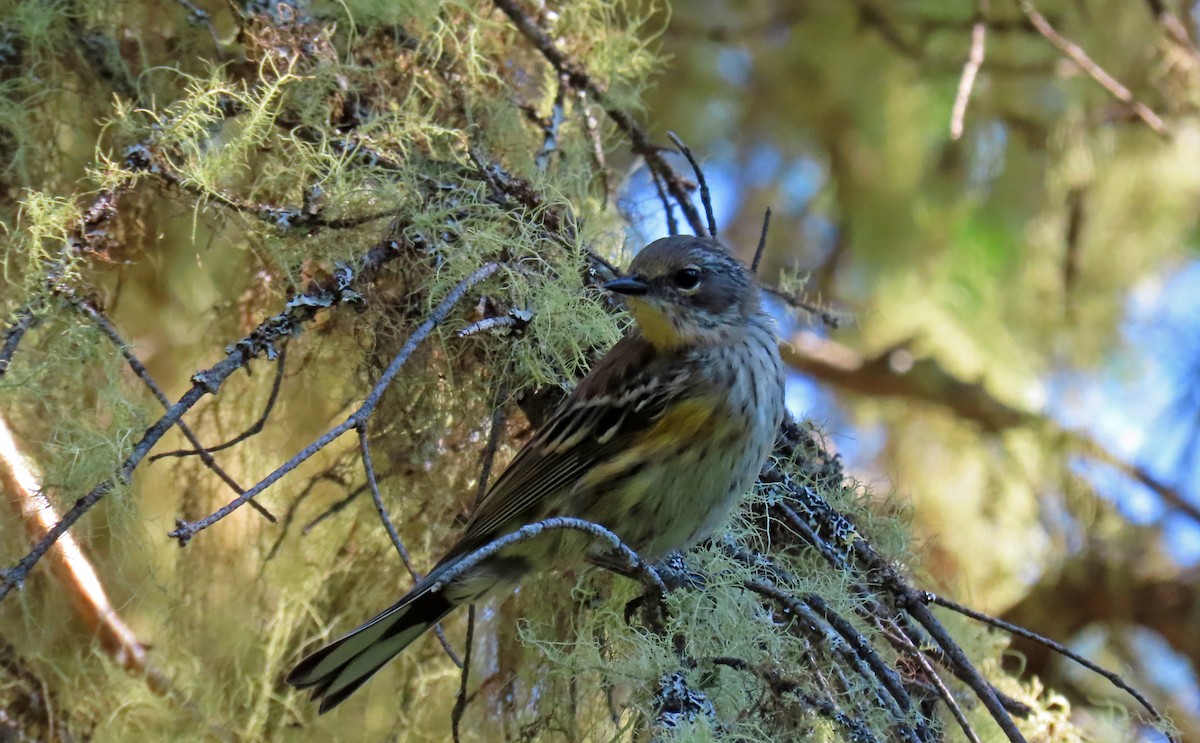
point(373, 484)
point(254, 429)
point(705, 195)
point(142, 373)
point(1113, 678)
point(579, 78)
point(1095, 71)
point(762, 241)
point(970, 70)
point(968, 673)
point(185, 530)
point(261, 341)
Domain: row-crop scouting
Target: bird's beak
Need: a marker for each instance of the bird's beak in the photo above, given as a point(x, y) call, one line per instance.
point(629, 285)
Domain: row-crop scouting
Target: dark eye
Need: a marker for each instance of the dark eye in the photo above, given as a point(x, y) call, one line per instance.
point(687, 278)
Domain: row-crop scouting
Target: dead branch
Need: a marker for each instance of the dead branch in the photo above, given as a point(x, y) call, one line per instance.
point(578, 77)
point(970, 70)
point(705, 195)
point(185, 530)
point(69, 566)
point(139, 369)
point(1113, 678)
point(377, 497)
point(1076, 54)
point(261, 341)
point(254, 429)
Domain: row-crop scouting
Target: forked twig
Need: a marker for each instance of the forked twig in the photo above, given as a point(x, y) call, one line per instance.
point(186, 530)
point(142, 373)
point(762, 241)
point(705, 195)
point(255, 428)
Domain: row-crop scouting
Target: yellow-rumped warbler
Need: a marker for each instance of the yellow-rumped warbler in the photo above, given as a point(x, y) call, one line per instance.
point(657, 443)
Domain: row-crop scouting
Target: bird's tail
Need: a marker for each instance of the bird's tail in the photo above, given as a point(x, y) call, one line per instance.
point(335, 671)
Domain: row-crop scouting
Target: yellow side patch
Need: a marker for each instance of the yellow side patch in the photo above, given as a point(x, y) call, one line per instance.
point(677, 426)
point(680, 423)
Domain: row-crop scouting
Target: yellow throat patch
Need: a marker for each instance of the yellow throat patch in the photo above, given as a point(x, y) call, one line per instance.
point(655, 325)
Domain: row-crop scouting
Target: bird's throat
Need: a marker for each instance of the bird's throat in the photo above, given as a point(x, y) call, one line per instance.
point(656, 327)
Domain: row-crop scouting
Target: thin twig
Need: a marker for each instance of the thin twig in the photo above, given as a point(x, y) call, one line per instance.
point(13, 334)
point(592, 127)
point(705, 195)
point(668, 205)
point(909, 599)
point(970, 70)
point(911, 602)
point(460, 699)
point(579, 78)
point(780, 685)
point(254, 429)
point(794, 300)
point(1113, 678)
point(329, 475)
point(857, 652)
point(186, 530)
point(373, 484)
point(142, 373)
point(943, 691)
point(1095, 71)
point(489, 451)
point(333, 510)
point(261, 341)
point(485, 473)
point(885, 675)
point(762, 241)
point(373, 487)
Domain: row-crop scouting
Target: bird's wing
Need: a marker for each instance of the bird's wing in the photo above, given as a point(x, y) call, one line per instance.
point(626, 393)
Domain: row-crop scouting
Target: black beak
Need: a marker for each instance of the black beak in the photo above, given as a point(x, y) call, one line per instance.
point(630, 285)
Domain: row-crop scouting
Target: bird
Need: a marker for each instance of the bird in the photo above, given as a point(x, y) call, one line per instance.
point(657, 443)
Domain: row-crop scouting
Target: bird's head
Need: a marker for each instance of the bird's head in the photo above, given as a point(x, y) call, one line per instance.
point(687, 291)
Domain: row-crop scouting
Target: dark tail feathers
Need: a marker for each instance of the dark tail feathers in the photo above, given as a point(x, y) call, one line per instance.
point(335, 671)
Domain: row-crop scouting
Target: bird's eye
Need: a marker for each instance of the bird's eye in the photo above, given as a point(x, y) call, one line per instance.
point(687, 278)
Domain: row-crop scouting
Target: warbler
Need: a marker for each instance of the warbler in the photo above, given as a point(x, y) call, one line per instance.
point(657, 443)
